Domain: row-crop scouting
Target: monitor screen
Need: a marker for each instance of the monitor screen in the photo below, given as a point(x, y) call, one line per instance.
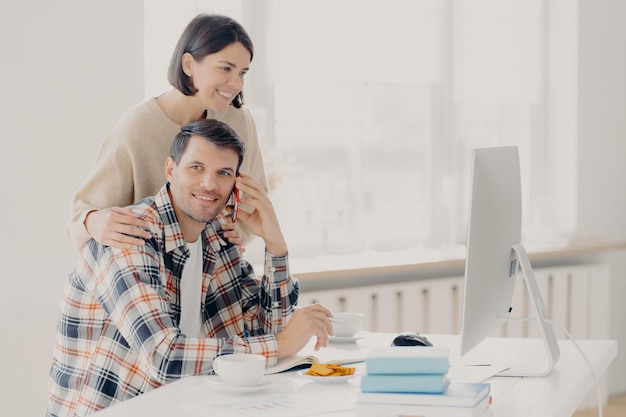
point(495, 254)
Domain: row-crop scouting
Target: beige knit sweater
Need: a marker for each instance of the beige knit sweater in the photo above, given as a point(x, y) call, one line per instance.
point(130, 164)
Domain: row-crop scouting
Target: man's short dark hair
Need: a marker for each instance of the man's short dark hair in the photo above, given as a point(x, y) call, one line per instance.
point(216, 132)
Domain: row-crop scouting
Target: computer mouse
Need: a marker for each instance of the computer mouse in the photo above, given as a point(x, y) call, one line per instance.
point(411, 339)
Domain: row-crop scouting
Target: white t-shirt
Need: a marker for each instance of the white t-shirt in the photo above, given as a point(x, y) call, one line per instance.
point(191, 291)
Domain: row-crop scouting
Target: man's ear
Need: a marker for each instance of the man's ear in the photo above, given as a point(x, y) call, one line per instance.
point(170, 165)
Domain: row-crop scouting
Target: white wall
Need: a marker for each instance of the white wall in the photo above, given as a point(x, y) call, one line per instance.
point(69, 69)
point(602, 148)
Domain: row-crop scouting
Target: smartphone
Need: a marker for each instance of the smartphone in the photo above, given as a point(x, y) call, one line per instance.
point(236, 206)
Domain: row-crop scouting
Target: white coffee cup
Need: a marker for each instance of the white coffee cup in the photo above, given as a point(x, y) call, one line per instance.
point(240, 369)
point(346, 324)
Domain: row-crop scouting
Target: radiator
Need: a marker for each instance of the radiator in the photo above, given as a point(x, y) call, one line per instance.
point(576, 298)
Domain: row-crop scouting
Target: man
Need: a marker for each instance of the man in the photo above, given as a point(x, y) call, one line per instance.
point(132, 320)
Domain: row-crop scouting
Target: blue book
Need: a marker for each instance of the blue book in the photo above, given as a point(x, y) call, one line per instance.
point(424, 383)
point(408, 360)
point(457, 394)
point(404, 410)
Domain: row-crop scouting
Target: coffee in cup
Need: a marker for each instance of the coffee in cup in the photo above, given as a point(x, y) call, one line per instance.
point(240, 369)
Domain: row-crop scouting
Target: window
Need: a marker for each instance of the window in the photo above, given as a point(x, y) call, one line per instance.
point(368, 111)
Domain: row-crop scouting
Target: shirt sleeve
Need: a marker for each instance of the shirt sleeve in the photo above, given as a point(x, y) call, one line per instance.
point(268, 307)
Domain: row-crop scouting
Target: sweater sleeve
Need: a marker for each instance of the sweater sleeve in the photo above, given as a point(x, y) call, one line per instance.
point(253, 164)
point(129, 166)
point(110, 183)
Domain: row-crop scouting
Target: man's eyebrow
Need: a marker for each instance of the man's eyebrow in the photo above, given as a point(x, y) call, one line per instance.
point(233, 65)
point(194, 162)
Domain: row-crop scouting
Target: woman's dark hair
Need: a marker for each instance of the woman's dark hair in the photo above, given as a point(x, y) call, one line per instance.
point(214, 131)
point(204, 35)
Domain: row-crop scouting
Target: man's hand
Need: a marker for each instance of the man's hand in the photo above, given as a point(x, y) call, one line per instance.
point(117, 227)
point(232, 235)
point(262, 220)
point(305, 322)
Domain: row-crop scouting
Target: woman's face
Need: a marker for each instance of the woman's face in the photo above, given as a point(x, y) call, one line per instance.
point(219, 76)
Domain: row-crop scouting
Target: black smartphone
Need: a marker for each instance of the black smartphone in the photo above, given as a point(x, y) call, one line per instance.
point(236, 206)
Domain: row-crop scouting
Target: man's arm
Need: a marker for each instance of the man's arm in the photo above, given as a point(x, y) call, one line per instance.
point(294, 331)
point(267, 307)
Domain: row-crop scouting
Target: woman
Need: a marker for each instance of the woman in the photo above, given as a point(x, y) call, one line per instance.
point(207, 73)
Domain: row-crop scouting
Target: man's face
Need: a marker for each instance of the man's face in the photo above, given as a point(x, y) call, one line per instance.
point(201, 183)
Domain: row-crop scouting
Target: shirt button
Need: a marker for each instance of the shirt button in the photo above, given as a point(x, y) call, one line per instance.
point(273, 269)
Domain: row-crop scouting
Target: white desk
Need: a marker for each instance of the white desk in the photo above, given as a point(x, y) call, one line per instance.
point(289, 395)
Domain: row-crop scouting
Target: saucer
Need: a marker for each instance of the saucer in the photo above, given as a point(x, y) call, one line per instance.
point(231, 388)
point(327, 379)
point(344, 339)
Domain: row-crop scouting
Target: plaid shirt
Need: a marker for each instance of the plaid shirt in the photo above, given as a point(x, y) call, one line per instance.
point(118, 333)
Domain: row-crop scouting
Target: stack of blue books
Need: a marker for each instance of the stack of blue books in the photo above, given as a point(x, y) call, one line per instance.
point(413, 381)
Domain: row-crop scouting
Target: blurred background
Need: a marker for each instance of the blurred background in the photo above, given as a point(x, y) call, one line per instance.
point(367, 113)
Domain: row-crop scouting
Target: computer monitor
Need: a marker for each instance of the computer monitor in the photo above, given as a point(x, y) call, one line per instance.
point(494, 255)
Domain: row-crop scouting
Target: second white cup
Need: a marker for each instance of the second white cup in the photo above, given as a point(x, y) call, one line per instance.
point(346, 324)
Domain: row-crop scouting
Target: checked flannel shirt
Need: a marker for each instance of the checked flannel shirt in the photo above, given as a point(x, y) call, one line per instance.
point(118, 333)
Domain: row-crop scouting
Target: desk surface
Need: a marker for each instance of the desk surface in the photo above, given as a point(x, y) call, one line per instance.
point(288, 394)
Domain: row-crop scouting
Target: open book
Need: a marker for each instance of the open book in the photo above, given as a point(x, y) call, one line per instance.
point(335, 353)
